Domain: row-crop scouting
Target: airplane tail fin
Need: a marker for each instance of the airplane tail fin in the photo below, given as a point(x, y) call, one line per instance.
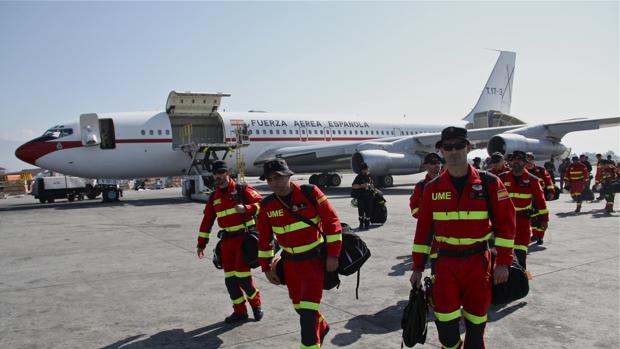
point(497, 93)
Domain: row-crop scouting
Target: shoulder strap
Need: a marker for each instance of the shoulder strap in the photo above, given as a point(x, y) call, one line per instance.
point(240, 188)
point(308, 190)
point(485, 178)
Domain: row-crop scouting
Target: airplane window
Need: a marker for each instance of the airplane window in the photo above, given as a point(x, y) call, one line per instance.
point(277, 132)
point(159, 132)
point(382, 132)
point(143, 132)
point(321, 131)
point(327, 131)
point(270, 132)
point(338, 131)
point(296, 132)
point(355, 131)
point(350, 132)
point(264, 132)
point(249, 132)
point(392, 133)
point(303, 132)
point(366, 131)
point(167, 132)
point(151, 132)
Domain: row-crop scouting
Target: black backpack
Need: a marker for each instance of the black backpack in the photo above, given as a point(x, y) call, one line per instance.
point(354, 252)
point(413, 321)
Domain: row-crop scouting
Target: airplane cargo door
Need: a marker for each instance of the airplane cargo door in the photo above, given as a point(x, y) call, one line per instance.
point(89, 129)
point(303, 134)
point(328, 133)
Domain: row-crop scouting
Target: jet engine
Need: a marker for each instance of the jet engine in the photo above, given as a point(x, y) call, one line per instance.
point(382, 163)
point(506, 143)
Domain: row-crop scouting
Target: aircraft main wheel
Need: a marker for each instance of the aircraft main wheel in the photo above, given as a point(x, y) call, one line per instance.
point(387, 181)
point(110, 195)
point(50, 201)
point(312, 179)
point(42, 200)
point(334, 180)
point(322, 180)
point(71, 197)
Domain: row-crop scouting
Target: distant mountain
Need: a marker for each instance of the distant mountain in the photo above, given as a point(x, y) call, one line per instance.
point(7, 156)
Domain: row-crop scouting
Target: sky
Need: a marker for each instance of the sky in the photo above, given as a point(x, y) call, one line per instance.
point(426, 60)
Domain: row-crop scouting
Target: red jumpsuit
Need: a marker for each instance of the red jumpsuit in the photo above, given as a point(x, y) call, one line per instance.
point(528, 198)
point(461, 225)
point(576, 175)
point(237, 275)
point(414, 205)
point(608, 174)
point(298, 240)
point(546, 182)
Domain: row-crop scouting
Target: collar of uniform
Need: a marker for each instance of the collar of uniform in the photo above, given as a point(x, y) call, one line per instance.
point(472, 177)
point(229, 189)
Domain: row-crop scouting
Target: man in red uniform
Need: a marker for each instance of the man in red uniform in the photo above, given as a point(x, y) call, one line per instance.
point(234, 206)
point(459, 208)
point(498, 165)
point(432, 164)
point(609, 173)
point(546, 183)
point(528, 198)
point(307, 254)
point(576, 176)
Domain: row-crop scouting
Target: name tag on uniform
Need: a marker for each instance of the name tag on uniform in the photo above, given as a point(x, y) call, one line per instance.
point(477, 192)
point(298, 207)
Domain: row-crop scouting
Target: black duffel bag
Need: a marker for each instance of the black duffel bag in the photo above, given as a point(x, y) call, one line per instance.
point(217, 255)
point(611, 187)
point(249, 249)
point(413, 321)
point(516, 287)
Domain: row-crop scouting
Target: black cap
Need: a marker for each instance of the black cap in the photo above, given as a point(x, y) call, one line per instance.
point(218, 166)
point(431, 158)
point(278, 166)
point(363, 166)
point(575, 158)
point(518, 154)
point(452, 132)
point(496, 157)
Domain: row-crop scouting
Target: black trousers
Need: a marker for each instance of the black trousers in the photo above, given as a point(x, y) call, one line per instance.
point(364, 206)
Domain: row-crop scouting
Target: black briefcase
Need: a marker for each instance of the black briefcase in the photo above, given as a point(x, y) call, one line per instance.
point(516, 287)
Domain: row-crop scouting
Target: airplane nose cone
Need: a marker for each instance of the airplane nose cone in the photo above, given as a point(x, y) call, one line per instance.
point(29, 152)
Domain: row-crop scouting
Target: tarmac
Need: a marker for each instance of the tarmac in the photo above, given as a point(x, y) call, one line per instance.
point(85, 274)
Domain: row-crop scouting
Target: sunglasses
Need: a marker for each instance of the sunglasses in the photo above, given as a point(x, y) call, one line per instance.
point(456, 146)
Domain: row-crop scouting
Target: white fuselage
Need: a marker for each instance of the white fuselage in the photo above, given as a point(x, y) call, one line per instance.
point(144, 142)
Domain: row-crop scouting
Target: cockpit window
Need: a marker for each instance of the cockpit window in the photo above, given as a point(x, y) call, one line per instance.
point(57, 132)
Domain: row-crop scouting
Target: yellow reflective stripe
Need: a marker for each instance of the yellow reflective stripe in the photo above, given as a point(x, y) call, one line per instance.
point(334, 237)
point(243, 274)
point(321, 199)
point(462, 241)
point(228, 274)
point(240, 226)
point(253, 295)
point(225, 213)
point(421, 249)
point(523, 208)
point(434, 255)
point(550, 187)
point(202, 234)
point(266, 254)
point(315, 346)
point(543, 211)
point(520, 196)
point(521, 247)
point(303, 248)
point(444, 317)
point(238, 300)
point(217, 201)
point(414, 211)
point(508, 243)
point(476, 320)
point(458, 215)
point(293, 227)
point(307, 305)
point(575, 172)
point(456, 346)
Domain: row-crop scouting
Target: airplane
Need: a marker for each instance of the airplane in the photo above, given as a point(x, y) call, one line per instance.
point(191, 133)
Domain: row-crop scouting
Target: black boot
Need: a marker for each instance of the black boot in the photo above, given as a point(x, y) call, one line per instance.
point(236, 317)
point(361, 227)
point(367, 223)
point(258, 313)
point(324, 333)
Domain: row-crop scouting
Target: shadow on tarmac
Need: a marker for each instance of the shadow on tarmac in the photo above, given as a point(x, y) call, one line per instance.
point(76, 205)
point(402, 267)
point(384, 321)
point(205, 337)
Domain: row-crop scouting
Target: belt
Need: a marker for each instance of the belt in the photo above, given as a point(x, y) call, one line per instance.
point(223, 234)
point(464, 252)
point(316, 252)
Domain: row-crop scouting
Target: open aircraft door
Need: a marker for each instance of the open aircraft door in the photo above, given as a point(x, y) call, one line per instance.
point(89, 129)
point(328, 133)
point(303, 134)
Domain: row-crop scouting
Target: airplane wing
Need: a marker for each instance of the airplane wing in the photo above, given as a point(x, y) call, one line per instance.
point(556, 130)
point(337, 152)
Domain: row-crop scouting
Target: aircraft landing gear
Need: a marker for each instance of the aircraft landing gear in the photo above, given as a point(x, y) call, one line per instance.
point(325, 180)
point(384, 181)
